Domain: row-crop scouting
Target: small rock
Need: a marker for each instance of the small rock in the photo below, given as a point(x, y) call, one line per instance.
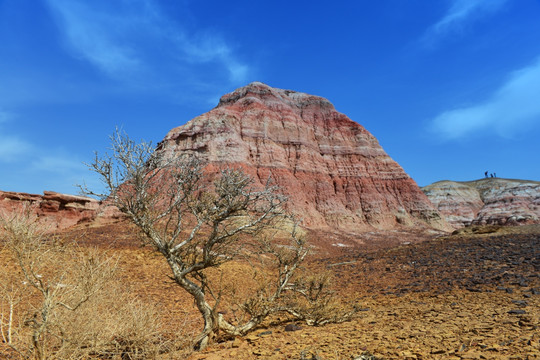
point(517, 312)
point(438, 351)
point(262, 352)
point(522, 303)
point(292, 327)
point(236, 343)
point(472, 355)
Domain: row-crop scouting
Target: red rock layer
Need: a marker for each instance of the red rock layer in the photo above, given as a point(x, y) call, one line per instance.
point(54, 211)
point(333, 170)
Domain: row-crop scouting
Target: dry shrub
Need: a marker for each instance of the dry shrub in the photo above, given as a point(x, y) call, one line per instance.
point(313, 300)
point(62, 301)
point(113, 323)
point(244, 289)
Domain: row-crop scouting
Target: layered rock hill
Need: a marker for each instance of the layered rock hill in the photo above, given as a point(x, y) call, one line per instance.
point(490, 201)
point(334, 171)
point(54, 211)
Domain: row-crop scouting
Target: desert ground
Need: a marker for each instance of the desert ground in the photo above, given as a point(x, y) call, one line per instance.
point(473, 294)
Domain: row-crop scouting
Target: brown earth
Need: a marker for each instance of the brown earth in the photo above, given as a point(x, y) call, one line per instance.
point(471, 295)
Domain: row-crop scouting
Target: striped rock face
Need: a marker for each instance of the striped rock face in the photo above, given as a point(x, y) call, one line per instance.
point(490, 201)
point(334, 171)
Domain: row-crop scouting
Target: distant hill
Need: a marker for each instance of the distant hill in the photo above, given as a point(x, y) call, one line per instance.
point(489, 201)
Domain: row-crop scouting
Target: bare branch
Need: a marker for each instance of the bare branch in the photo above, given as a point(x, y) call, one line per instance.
point(198, 225)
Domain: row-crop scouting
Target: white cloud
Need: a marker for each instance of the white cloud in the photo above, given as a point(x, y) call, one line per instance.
point(94, 35)
point(131, 38)
point(460, 14)
point(510, 109)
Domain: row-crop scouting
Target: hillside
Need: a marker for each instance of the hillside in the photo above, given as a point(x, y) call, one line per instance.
point(489, 201)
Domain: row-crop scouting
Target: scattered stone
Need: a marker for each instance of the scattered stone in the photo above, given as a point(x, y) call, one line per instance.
point(517, 312)
point(522, 303)
point(438, 351)
point(473, 289)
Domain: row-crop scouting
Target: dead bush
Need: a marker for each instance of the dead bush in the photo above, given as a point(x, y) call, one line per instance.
point(60, 300)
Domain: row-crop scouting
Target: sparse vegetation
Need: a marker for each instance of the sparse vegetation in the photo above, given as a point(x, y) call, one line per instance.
point(198, 225)
point(59, 300)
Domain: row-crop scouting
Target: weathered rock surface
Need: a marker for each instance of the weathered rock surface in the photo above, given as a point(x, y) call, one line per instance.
point(492, 201)
point(54, 210)
point(333, 170)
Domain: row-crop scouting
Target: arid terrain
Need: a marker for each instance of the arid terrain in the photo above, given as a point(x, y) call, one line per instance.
point(383, 245)
point(471, 295)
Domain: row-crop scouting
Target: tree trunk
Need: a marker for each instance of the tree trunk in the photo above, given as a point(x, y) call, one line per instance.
point(211, 324)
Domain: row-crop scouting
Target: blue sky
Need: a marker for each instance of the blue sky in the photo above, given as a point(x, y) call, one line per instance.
point(451, 88)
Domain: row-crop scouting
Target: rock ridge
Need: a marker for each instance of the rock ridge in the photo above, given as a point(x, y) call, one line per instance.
point(55, 211)
point(489, 201)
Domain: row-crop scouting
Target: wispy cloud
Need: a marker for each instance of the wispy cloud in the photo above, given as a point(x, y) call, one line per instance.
point(512, 108)
point(11, 146)
point(134, 39)
point(95, 36)
point(460, 14)
point(23, 161)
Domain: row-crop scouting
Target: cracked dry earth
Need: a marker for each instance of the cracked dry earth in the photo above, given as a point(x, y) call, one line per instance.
point(473, 295)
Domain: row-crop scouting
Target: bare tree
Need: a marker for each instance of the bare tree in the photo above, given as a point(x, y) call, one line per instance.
point(198, 225)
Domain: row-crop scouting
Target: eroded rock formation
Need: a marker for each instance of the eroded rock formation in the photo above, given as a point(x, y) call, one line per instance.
point(333, 170)
point(54, 211)
point(492, 201)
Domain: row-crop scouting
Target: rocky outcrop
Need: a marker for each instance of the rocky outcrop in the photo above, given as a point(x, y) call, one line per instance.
point(54, 211)
point(334, 171)
point(490, 201)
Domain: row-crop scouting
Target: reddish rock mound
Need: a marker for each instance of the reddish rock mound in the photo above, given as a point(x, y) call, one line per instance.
point(492, 201)
point(55, 211)
point(334, 171)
